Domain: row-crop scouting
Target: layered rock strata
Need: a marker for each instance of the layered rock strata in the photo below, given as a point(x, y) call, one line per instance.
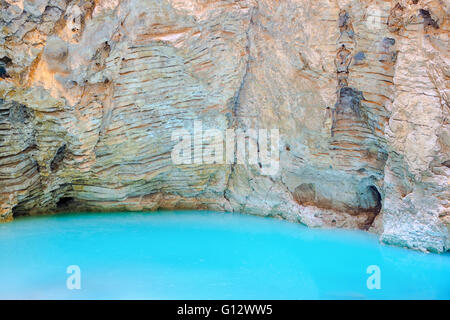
point(92, 90)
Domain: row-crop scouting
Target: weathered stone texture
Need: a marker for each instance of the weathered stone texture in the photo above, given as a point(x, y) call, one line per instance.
point(91, 91)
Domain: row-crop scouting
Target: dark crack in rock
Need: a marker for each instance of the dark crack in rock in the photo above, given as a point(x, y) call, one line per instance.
point(427, 19)
point(58, 158)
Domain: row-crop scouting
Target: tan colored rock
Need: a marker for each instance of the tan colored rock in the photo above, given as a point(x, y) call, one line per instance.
point(358, 90)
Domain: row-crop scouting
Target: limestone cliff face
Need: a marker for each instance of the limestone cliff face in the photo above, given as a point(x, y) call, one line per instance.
point(91, 91)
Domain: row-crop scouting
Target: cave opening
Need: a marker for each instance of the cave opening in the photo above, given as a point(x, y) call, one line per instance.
point(376, 196)
point(375, 208)
point(20, 209)
point(64, 202)
point(16, 211)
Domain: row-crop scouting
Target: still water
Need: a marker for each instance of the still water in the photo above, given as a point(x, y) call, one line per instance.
point(206, 255)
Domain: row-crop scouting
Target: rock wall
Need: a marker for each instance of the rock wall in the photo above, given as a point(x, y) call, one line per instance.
point(91, 91)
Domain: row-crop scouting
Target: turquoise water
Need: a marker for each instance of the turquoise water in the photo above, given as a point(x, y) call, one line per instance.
point(206, 255)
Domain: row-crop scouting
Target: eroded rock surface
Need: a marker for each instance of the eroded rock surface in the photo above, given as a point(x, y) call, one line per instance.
point(91, 91)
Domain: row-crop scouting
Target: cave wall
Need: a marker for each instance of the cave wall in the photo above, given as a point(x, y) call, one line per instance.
point(91, 92)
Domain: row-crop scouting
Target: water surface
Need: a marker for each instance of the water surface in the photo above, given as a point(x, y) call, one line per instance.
point(206, 255)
